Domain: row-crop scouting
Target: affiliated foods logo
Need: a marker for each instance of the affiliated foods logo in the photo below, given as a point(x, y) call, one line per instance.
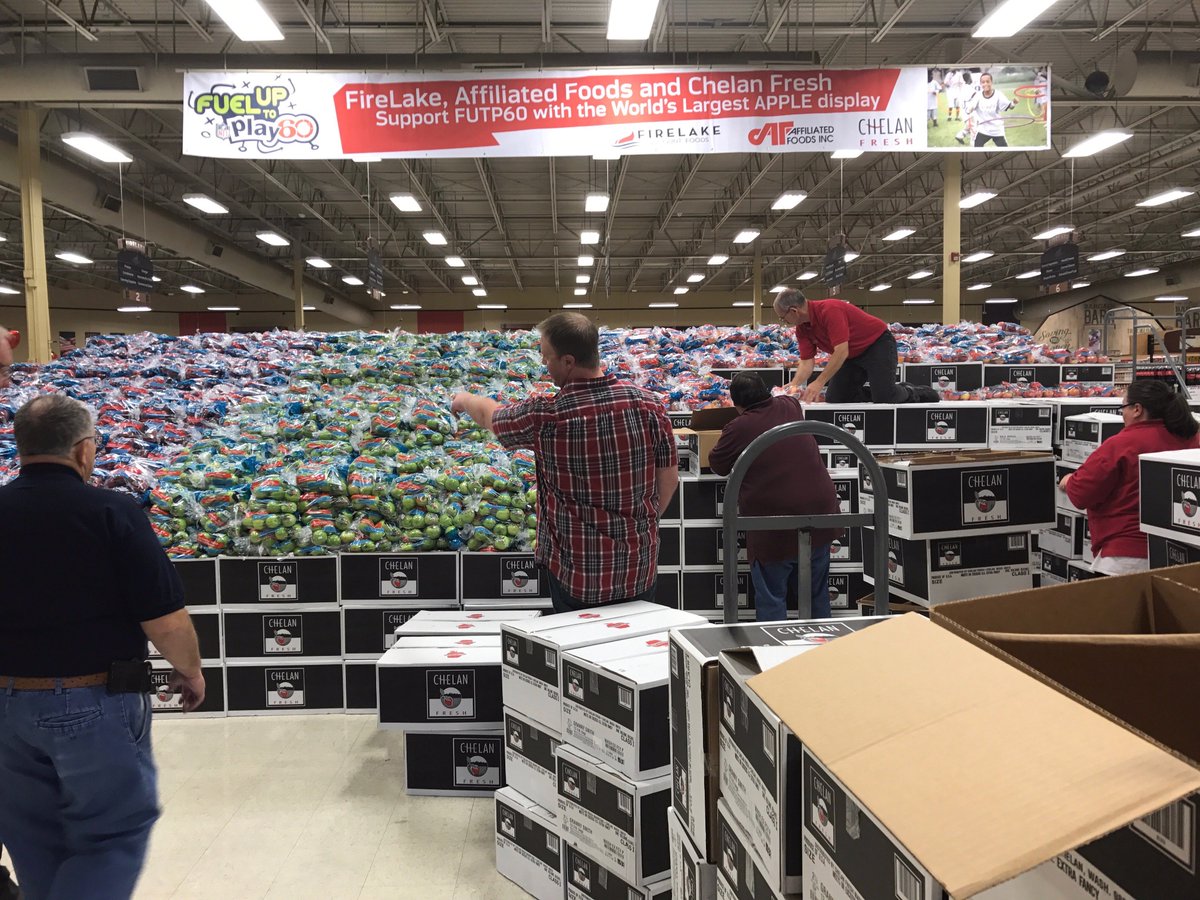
point(398, 577)
point(1185, 499)
point(780, 134)
point(261, 117)
point(985, 496)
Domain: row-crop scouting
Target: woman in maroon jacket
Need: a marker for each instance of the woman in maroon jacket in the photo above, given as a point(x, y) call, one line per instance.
point(787, 479)
point(1156, 419)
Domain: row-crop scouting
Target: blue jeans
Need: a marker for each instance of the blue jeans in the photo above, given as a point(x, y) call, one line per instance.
point(564, 602)
point(774, 583)
point(80, 791)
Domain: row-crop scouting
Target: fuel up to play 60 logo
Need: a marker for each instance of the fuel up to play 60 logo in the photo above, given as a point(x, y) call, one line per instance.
point(250, 115)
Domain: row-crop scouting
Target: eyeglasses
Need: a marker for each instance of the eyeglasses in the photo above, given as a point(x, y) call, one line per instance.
point(91, 437)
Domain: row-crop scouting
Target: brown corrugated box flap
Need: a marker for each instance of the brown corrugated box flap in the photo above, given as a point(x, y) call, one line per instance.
point(713, 419)
point(1011, 774)
point(961, 457)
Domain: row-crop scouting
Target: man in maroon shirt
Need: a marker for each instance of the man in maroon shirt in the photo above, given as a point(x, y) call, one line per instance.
point(606, 469)
point(861, 349)
point(787, 479)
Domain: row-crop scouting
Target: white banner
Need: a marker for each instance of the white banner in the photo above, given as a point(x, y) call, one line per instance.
point(331, 115)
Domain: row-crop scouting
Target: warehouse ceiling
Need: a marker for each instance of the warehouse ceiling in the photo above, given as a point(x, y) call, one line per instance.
point(517, 221)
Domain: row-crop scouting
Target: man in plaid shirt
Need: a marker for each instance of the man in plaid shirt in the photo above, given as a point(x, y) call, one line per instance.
point(606, 466)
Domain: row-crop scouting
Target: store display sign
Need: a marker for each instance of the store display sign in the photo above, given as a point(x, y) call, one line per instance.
point(638, 111)
point(1060, 263)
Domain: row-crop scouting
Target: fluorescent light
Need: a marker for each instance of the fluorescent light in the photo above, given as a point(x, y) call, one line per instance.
point(191, 289)
point(317, 263)
point(247, 19)
point(133, 309)
point(1076, 285)
point(997, 300)
point(583, 279)
point(695, 278)
point(1032, 273)
point(1166, 197)
point(405, 202)
point(975, 199)
point(435, 238)
point(224, 309)
point(979, 256)
point(662, 305)
point(352, 280)
point(589, 237)
point(845, 154)
point(470, 280)
point(479, 292)
point(1195, 232)
point(719, 259)
point(5, 289)
point(807, 276)
point(680, 290)
point(310, 309)
point(743, 302)
point(2, 239)
point(72, 257)
point(455, 262)
point(586, 260)
point(746, 235)
point(631, 20)
point(270, 237)
point(778, 289)
point(580, 292)
point(596, 203)
point(851, 255)
point(1138, 273)
point(155, 279)
point(1097, 142)
point(577, 306)
point(205, 204)
point(1107, 254)
point(1170, 298)
point(917, 276)
point(900, 234)
point(880, 287)
point(1053, 232)
point(789, 200)
point(917, 301)
point(491, 306)
point(96, 147)
point(404, 307)
point(982, 286)
point(1010, 17)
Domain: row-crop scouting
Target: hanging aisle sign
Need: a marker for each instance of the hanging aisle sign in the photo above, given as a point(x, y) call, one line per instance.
point(330, 115)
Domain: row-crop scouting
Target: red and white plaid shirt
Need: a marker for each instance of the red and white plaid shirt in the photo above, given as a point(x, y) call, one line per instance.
point(597, 445)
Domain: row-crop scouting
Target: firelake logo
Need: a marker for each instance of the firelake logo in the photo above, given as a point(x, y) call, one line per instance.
point(262, 116)
point(667, 134)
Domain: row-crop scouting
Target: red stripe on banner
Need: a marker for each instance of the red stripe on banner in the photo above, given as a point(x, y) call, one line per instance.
point(444, 115)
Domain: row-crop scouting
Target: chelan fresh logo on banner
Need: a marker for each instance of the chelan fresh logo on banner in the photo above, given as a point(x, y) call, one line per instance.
point(162, 695)
point(283, 634)
point(261, 116)
point(985, 496)
point(285, 688)
point(1185, 499)
point(450, 693)
point(941, 425)
point(895, 562)
point(823, 809)
point(519, 577)
point(278, 581)
point(398, 577)
point(477, 762)
point(393, 619)
point(852, 422)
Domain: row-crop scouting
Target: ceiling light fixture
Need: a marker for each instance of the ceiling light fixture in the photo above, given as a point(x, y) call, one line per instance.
point(917, 301)
point(1053, 232)
point(133, 309)
point(270, 237)
point(900, 234)
point(1010, 17)
point(205, 204)
point(595, 203)
point(719, 259)
point(577, 306)
point(96, 147)
point(975, 199)
point(5, 289)
point(851, 255)
point(880, 287)
point(1077, 285)
point(1031, 273)
point(405, 202)
point(1194, 233)
point(586, 260)
point(778, 289)
point(982, 286)
point(1096, 143)
point(846, 154)
point(455, 262)
point(695, 278)
point(978, 256)
point(1138, 273)
point(191, 289)
point(224, 309)
point(631, 20)
point(746, 235)
point(155, 279)
point(470, 280)
point(789, 200)
point(434, 238)
point(491, 306)
point(583, 279)
point(917, 276)
point(317, 263)
point(310, 309)
point(580, 292)
point(352, 280)
point(662, 305)
point(1170, 298)
point(405, 307)
point(1166, 197)
point(680, 290)
point(743, 302)
point(1107, 254)
point(807, 276)
point(247, 19)
point(996, 300)
point(72, 257)
point(479, 292)
point(589, 237)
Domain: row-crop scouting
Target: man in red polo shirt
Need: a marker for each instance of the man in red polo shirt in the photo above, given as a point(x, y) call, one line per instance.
point(861, 349)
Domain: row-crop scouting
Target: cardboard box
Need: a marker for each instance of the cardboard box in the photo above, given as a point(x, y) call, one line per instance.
point(464, 623)
point(670, 544)
point(362, 688)
point(692, 876)
point(942, 495)
point(529, 752)
point(1088, 374)
point(282, 687)
point(529, 846)
point(695, 707)
point(621, 823)
point(369, 631)
point(283, 632)
point(400, 579)
point(1164, 552)
point(1066, 537)
point(614, 704)
point(1062, 502)
point(679, 418)
point(840, 460)
point(873, 424)
point(938, 426)
point(966, 376)
point(699, 444)
point(440, 688)
point(846, 552)
point(1022, 376)
point(199, 577)
point(1083, 435)
point(703, 499)
point(704, 545)
point(667, 588)
point(1014, 776)
point(588, 880)
point(509, 579)
point(207, 622)
point(1170, 495)
point(674, 510)
point(289, 580)
point(1078, 570)
point(704, 591)
point(739, 872)
point(845, 589)
point(1055, 569)
point(773, 377)
point(1020, 426)
point(167, 702)
point(928, 572)
point(533, 650)
point(845, 485)
point(1065, 407)
point(453, 764)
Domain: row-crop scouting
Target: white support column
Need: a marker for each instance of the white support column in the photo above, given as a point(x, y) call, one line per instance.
point(33, 235)
point(951, 240)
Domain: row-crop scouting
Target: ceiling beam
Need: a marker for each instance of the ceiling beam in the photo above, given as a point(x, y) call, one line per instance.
point(489, 191)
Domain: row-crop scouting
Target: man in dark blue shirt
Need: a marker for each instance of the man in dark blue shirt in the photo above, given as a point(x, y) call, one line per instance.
point(86, 584)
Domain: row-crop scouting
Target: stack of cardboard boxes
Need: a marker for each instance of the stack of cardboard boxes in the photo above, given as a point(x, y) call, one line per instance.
point(586, 744)
point(1170, 508)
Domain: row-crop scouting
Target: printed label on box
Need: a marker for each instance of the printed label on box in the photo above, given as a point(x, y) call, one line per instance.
point(285, 688)
point(283, 634)
point(985, 496)
point(277, 581)
point(520, 577)
point(450, 693)
point(398, 577)
point(853, 422)
point(895, 562)
point(393, 619)
point(1185, 499)
point(941, 425)
point(944, 378)
point(477, 762)
point(949, 553)
point(162, 696)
